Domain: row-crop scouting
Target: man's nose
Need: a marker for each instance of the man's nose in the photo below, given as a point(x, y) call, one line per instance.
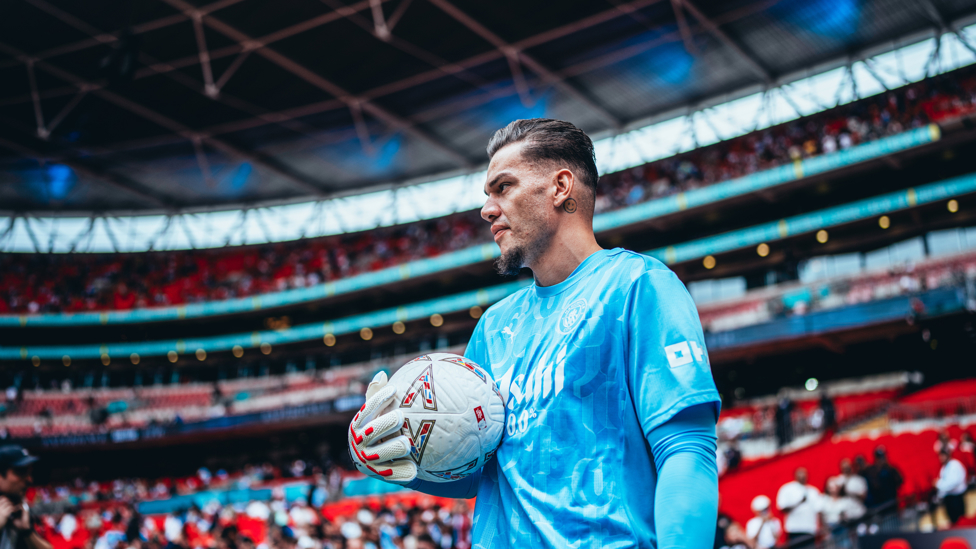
point(490, 211)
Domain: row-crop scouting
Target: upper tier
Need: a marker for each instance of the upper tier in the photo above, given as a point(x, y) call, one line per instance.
point(173, 285)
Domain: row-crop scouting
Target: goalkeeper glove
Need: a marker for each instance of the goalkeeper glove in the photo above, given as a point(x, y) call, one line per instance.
point(383, 460)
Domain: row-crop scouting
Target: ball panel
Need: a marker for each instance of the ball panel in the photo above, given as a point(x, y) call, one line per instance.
point(453, 414)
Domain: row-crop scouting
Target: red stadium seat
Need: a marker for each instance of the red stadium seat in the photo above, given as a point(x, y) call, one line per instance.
point(896, 543)
point(955, 543)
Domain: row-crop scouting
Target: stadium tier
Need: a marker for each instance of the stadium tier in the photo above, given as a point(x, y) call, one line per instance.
point(783, 154)
point(338, 497)
point(724, 325)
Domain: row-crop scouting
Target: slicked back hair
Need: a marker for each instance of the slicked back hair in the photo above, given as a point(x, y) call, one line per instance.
point(553, 141)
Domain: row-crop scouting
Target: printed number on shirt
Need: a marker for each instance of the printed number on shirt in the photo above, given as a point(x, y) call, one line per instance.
point(519, 425)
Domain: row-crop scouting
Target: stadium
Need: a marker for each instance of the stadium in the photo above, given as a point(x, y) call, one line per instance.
point(219, 220)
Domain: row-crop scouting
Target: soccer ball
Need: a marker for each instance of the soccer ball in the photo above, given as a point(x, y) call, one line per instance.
point(453, 415)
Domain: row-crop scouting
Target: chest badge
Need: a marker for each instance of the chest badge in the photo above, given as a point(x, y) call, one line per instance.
point(572, 316)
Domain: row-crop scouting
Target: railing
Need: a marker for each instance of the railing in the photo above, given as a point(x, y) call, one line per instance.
point(925, 410)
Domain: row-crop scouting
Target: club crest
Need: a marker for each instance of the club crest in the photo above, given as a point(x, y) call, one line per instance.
point(572, 316)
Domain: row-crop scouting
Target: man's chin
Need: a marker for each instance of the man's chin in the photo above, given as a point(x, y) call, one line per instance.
point(511, 261)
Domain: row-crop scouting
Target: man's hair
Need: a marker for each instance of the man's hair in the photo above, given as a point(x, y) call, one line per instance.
point(552, 141)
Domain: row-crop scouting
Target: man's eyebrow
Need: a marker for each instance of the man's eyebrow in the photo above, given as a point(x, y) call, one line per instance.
point(495, 181)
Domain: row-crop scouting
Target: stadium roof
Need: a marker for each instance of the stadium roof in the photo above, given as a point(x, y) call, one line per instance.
point(168, 104)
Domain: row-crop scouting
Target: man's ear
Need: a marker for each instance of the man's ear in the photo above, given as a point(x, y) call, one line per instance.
point(565, 183)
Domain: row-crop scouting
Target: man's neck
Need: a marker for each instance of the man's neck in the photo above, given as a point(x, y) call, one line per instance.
point(566, 251)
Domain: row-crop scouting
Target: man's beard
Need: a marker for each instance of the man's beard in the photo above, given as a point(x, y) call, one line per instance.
point(509, 264)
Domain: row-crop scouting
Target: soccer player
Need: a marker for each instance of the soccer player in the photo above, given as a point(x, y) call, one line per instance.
point(611, 407)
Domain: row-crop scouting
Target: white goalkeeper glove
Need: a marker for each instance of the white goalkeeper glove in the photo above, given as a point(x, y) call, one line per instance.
point(384, 460)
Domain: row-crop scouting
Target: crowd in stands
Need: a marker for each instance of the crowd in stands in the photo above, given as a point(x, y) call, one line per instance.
point(106, 515)
point(36, 412)
point(913, 106)
point(832, 501)
point(794, 412)
point(766, 304)
point(800, 514)
point(48, 283)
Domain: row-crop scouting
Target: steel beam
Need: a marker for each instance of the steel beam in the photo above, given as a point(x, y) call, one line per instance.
point(516, 54)
point(164, 121)
point(292, 66)
point(208, 89)
point(713, 28)
point(380, 91)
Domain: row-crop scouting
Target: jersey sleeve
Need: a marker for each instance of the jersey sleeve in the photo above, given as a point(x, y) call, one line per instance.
point(667, 366)
point(477, 349)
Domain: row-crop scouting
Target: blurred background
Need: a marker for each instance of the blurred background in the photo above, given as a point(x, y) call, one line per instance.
point(219, 219)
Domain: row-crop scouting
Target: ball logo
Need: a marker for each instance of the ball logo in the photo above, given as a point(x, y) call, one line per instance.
point(572, 316)
point(418, 438)
point(480, 415)
point(422, 387)
point(471, 366)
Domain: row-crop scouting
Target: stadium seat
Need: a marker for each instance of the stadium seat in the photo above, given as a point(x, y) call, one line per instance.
point(955, 543)
point(896, 543)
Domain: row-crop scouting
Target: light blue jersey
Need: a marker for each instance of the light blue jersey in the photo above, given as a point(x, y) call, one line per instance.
point(588, 367)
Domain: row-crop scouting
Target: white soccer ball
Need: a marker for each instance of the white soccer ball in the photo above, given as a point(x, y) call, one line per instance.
point(453, 415)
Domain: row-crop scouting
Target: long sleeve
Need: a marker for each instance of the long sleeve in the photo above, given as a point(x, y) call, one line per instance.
point(952, 479)
point(686, 498)
point(465, 488)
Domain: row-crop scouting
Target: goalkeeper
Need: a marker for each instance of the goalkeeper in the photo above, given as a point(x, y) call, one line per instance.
point(611, 407)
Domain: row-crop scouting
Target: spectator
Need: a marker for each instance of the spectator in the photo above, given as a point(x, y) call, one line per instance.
point(839, 508)
point(729, 533)
point(733, 456)
point(967, 454)
point(763, 530)
point(883, 479)
point(861, 466)
point(801, 503)
point(951, 486)
point(829, 412)
point(17, 529)
point(850, 482)
point(945, 443)
point(784, 421)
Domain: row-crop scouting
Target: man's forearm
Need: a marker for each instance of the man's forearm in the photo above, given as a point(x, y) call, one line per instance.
point(686, 498)
point(36, 541)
